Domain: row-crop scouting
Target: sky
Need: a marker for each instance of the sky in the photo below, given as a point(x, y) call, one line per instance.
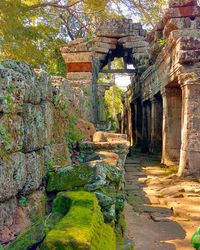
point(122, 81)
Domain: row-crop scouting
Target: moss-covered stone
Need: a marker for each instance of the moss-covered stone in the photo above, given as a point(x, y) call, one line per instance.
point(69, 178)
point(29, 237)
point(83, 227)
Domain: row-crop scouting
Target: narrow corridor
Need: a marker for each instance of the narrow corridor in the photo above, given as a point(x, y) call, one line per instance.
point(162, 211)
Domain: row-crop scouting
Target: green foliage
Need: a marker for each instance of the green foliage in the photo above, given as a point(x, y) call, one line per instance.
point(114, 105)
point(162, 42)
point(50, 164)
point(23, 202)
point(196, 239)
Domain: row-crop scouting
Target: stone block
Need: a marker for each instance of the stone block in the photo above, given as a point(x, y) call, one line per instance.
point(34, 127)
point(130, 39)
point(137, 44)
point(87, 129)
point(12, 175)
point(47, 113)
point(45, 85)
point(57, 155)
point(180, 3)
point(35, 169)
point(60, 125)
point(143, 33)
point(11, 134)
point(105, 40)
point(100, 50)
point(70, 177)
point(12, 90)
point(137, 26)
point(178, 12)
point(104, 45)
point(188, 56)
point(188, 43)
point(77, 57)
point(85, 224)
point(78, 76)
point(7, 209)
point(80, 47)
point(79, 67)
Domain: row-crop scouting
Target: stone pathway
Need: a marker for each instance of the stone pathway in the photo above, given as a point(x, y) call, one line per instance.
point(162, 211)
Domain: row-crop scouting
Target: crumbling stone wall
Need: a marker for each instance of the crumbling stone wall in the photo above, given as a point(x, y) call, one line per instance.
point(84, 59)
point(34, 115)
point(167, 91)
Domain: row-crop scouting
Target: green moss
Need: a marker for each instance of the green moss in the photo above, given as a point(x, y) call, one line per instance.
point(29, 237)
point(196, 239)
point(69, 177)
point(83, 226)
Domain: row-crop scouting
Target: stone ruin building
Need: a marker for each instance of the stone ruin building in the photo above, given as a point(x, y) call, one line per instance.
point(161, 115)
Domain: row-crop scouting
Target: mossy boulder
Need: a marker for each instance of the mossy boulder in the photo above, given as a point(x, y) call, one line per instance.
point(82, 227)
point(69, 178)
point(91, 177)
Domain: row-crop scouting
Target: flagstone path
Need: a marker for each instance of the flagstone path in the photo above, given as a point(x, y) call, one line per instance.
point(162, 210)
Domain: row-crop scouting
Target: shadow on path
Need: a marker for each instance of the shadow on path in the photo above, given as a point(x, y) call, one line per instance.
point(150, 225)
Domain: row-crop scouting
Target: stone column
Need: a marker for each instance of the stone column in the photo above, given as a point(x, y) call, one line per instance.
point(190, 148)
point(156, 125)
point(144, 145)
point(81, 75)
point(172, 106)
point(138, 124)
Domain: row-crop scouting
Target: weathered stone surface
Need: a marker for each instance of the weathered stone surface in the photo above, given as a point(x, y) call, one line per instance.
point(103, 45)
point(105, 40)
point(11, 134)
point(178, 12)
point(35, 169)
point(7, 209)
point(29, 237)
point(181, 3)
point(87, 129)
point(13, 175)
point(57, 154)
point(77, 57)
point(130, 39)
point(34, 127)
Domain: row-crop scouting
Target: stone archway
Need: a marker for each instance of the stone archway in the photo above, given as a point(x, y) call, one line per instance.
point(115, 38)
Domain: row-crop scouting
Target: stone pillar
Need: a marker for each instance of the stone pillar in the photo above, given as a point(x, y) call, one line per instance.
point(190, 148)
point(138, 124)
point(133, 123)
point(80, 70)
point(172, 109)
point(144, 145)
point(156, 125)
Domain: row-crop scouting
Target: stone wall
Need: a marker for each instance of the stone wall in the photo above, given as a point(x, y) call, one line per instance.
point(34, 116)
point(167, 91)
